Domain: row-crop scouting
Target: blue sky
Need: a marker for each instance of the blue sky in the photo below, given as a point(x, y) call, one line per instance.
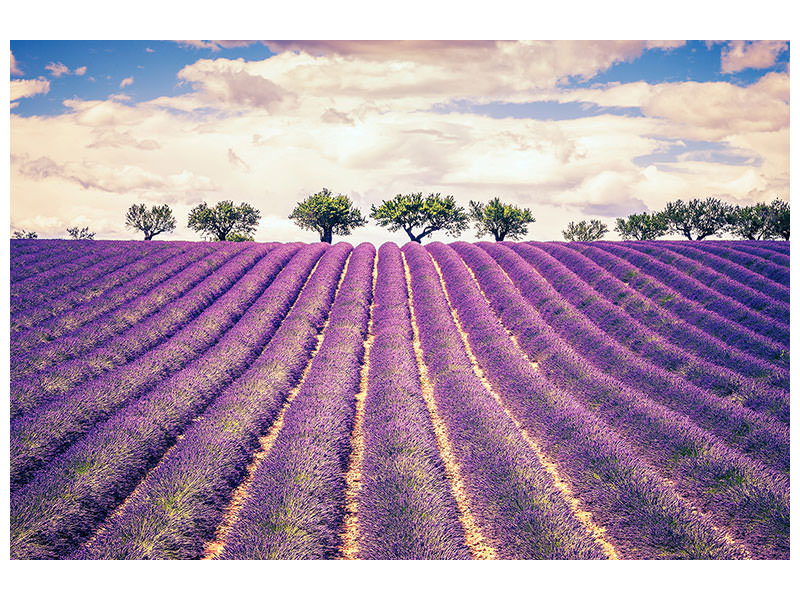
point(570, 129)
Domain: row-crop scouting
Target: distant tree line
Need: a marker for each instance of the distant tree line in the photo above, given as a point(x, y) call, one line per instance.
point(419, 216)
point(698, 219)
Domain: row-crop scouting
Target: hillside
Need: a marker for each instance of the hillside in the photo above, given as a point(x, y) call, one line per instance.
point(491, 400)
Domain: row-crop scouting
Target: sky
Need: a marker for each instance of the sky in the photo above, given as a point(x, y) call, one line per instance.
point(572, 130)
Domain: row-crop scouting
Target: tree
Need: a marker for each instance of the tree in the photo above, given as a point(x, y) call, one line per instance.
point(500, 219)
point(779, 218)
point(698, 219)
point(25, 235)
point(224, 219)
point(642, 226)
point(585, 232)
point(82, 233)
point(239, 237)
point(411, 211)
point(152, 221)
point(327, 215)
point(752, 222)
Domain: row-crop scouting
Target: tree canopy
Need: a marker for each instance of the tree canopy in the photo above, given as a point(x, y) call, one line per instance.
point(80, 233)
point(327, 215)
point(150, 221)
point(780, 218)
point(500, 220)
point(585, 232)
point(751, 222)
point(411, 211)
point(224, 219)
point(25, 235)
point(642, 226)
point(697, 219)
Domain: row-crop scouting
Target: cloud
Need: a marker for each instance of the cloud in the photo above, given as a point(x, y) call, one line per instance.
point(25, 88)
point(741, 55)
point(236, 161)
point(230, 82)
point(126, 82)
point(149, 50)
point(665, 44)
point(334, 116)
point(119, 179)
point(15, 70)
point(114, 139)
point(215, 45)
point(57, 69)
point(80, 71)
point(362, 124)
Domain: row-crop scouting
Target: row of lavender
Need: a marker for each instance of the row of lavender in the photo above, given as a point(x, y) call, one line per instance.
point(615, 413)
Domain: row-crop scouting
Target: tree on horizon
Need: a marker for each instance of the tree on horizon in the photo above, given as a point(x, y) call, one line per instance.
point(224, 219)
point(327, 215)
point(150, 221)
point(411, 211)
point(501, 220)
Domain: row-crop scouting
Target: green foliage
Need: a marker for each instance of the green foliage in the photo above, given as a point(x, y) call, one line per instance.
point(642, 226)
point(585, 232)
point(412, 211)
point(239, 237)
point(761, 221)
point(81, 233)
point(327, 215)
point(152, 221)
point(751, 222)
point(224, 219)
point(698, 219)
point(780, 218)
point(500, 220)
point(25, 235)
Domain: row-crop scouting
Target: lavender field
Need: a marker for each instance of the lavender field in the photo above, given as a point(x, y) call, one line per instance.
point(538, 400)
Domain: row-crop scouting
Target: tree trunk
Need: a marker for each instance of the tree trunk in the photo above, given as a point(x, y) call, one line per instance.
point(148, 236)
point(326, 236)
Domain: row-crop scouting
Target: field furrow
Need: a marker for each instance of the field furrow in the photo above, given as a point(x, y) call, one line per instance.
point(760, 274)
point(687, 288)
point(731, 334)
point(113, 310)
point(777, 252)
point(295, 504)
point(175, 514)
point(54, 378)
point(733, 488)
point(536, 400)
point(642, 514)
point(405, 506)
point(102, 468)
point(756, 434)
point(102, 273)
point(513, 498)
point(44, 432)
point(748, 296)
point(106, 284)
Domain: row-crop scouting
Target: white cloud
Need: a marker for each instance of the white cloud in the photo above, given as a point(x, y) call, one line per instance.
point(126, 82)
point(273, 132)
point(215, 45)
point(80, 71)
point(57, 69)
point(25, 88)
point(740, 55)
point(15, 70)
point(236, 161)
